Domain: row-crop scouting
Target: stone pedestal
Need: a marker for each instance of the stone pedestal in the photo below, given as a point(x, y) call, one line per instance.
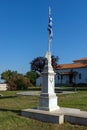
point(48, 98)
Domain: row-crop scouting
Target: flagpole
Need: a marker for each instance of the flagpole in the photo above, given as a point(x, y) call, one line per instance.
point(48, 32)
point(49, 43)
point(49, 29)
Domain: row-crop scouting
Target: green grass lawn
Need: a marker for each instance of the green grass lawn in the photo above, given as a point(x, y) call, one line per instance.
point(76, 100)
point(12, 104)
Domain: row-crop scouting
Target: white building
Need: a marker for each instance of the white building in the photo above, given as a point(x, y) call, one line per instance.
point(74, 73)
point(3, 87)
point(68, 74)
point(39, 81)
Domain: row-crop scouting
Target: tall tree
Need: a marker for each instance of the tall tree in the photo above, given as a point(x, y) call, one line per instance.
point(39, 62)
point(54, 60)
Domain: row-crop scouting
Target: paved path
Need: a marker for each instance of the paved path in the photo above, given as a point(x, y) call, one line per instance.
point(37, 93)
point(31, 93)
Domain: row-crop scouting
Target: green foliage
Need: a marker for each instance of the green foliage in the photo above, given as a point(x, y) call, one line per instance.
point(39, 62)
point(54, 60)
point(7, 75)
point(22, 82)
point(15, 80)
point(32, 75)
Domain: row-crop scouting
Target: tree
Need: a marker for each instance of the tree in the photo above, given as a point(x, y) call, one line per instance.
point(8, 75)
point(32, 75)
point(15, 80)
point(22, 82)
point(54, 60)
point(38, 63)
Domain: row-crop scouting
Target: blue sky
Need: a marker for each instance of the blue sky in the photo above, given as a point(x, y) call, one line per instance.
point(24, 35)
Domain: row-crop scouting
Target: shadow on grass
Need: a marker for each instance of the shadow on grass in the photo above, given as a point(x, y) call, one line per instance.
point(18, 112)
point(4, 97)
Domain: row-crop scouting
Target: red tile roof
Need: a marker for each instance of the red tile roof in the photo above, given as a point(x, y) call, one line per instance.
point(71, 66)
point(81, 60)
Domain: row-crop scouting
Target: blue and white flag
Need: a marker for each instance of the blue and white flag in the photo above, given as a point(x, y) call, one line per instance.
point(50, 25)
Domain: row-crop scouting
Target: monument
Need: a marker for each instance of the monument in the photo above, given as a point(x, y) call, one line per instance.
point(48, 98)
point(48, 110)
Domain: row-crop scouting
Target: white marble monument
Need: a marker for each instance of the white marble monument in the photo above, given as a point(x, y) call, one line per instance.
point(48, 98)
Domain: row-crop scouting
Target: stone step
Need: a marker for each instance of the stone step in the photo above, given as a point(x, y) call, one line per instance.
point(74, 116)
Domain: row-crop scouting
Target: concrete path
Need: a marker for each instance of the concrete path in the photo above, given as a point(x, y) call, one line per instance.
point(29, 93)
point(37, 93)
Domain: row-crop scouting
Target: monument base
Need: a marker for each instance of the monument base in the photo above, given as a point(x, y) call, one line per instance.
point(48, 102)
point(44, 116)
point(74, 116)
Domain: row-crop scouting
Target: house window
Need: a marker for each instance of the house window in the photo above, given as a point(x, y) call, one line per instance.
point(58, 77)
point(80, 76)
point(61, 77)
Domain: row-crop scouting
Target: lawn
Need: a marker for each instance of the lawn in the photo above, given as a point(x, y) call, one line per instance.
point(11, 105)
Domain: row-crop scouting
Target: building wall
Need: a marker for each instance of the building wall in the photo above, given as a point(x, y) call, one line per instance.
point(39, 81)
point(64, 79)
point(83, 72)
point(3, 87)
point(80, 77)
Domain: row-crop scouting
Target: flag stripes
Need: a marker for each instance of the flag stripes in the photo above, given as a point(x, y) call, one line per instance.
point(50, 25)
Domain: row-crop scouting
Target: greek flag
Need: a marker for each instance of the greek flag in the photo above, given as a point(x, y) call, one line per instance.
point(50, 25)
